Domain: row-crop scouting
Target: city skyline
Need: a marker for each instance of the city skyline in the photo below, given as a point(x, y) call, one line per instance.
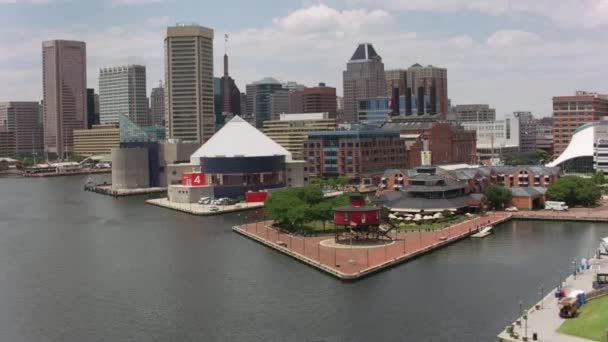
point(489, 50)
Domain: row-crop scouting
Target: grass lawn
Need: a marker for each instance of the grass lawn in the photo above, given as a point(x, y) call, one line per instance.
point(432, 226)
point(591, 321)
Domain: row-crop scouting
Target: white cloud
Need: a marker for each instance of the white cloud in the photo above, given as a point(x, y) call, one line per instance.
point(568, 13)
point(512, 38)
point(321, 18)
point(461, 42)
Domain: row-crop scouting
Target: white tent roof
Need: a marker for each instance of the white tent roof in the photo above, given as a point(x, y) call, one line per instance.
point(581, 145)
point(239, 139)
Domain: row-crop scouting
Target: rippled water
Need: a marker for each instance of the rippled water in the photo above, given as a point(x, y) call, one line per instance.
point(77, 266)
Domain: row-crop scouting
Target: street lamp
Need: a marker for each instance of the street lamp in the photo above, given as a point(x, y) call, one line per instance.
point(574, 268)
point(541, 292)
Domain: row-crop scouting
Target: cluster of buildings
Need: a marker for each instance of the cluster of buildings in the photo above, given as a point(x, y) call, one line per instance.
point(460, 188)
point(393, 119)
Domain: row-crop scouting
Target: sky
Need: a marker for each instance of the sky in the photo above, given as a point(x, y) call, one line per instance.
point(511, 54)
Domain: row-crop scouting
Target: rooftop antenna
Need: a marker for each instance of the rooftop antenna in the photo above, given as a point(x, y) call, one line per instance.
point(225, 43)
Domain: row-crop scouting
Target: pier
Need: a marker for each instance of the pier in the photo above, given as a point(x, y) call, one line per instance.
point(106, 189)
point(204, 209)
point(352, 262)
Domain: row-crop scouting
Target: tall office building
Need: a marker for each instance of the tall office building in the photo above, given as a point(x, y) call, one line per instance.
point(321, 99)
point(122, 90)
point(64, 84)
point(363, 78)
point(92, 108)
point(428, 87)
point(24, 120)
point(527, 131)
point(189, 108)
point(229, 97)
point(263, 105)
point(157, 105)
point(395, 78)
point(279, 103)
point(570, 112)
point(474, 112)
point(250, 94)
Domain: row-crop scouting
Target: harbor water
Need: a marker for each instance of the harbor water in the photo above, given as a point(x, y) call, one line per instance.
point(79, 266)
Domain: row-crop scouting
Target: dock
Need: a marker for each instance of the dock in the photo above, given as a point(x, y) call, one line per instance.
point(106, 189)
point(68, 173)
point(204, 209)
point(355, 262)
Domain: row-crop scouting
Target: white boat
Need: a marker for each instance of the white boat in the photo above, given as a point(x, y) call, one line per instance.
point(487, 230)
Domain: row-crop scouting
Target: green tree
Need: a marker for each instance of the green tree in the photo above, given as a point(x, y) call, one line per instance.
point(322, 211)
point(498, 196)
point(598, 177)
point(574, 191)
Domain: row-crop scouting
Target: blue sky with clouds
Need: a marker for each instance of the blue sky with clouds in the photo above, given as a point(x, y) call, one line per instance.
point(512, 54)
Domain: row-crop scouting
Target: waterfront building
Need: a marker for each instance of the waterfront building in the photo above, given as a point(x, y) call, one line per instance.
point(318, 99)
point(122, 91)
point(189, 110)
point(474, 112)
point(157, 105)
point(527, 131)
point(495, 138)
point(587, 151)
point(360, 152)
point(424, 189)
point(99, 140)
point(429, 86)
point(570, 112)
point(237, 159)
point(7, 143)
point(25, 121)
point(290, 131)
point(64, 84)
point(92, 108)
point(363, 78)
point(436, 142)
point(264, 88)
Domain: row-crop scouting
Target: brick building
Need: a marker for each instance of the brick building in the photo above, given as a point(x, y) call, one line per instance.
point(319, 99)
point(356, 153)
point(570, 112)
point(448, 144)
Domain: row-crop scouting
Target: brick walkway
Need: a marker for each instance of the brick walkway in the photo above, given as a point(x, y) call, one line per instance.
point(353, 261)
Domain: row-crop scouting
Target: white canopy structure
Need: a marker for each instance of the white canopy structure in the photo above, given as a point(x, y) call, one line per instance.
point(581, 145)
point(239, 139)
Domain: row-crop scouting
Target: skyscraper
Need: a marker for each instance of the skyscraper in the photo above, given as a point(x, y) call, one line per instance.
point(428, 87)
point(314, 100)
point(395, 78)
point(250, 94)
point(24, 120)
point(279, 103)
point(64, 84)
point(189, 108)
point(92, 106)
point(122, 90)
point(263, 91)
point(230, 97)
point(157, 105)
point(363, 78)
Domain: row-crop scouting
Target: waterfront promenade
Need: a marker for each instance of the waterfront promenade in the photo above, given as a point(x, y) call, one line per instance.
point(350, 262)
point(543, 317)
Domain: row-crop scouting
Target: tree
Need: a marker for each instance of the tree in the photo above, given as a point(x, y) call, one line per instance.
point(498, 196)
point(292, 208)
point(598, 177)
point(574, 191)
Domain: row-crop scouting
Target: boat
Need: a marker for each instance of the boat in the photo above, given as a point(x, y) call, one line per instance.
point(485, 231)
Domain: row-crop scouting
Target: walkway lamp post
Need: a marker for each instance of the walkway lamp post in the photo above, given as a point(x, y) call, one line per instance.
point(526, 326)
point(541, 292)
point(559, 286)
point(574, 268)
point(519, 313)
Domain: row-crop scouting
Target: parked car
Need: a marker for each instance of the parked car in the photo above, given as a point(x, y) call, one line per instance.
point(214, 209)
point(205, 200)
point(511, 209)
point(226, 201)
